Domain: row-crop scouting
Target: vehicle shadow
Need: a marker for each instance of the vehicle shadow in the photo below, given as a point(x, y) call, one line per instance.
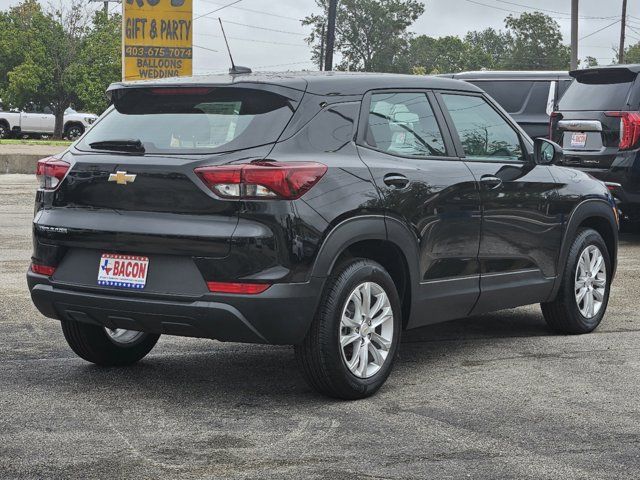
point(210, 374)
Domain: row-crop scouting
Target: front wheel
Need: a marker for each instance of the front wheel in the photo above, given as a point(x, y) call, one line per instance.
point(4, 130)
point(584, 293)
point(107, 347)
point(351, 345)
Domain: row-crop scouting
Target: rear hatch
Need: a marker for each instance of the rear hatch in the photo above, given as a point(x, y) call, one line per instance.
point(592, 114)
point(131, 187)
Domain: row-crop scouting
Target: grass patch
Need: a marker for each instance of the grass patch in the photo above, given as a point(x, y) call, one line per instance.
point(56, 143)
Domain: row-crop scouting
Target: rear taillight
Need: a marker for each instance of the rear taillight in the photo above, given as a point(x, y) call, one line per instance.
point(43, 269)
point(629, 128)
point(262, 180)
point(50, 172)
point(553, 118)
point(237, 288)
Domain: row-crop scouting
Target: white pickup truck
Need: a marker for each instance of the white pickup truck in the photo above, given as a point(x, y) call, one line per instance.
point(25, 123)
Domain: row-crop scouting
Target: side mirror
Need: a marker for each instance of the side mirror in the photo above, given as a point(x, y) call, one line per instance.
point(546, 152)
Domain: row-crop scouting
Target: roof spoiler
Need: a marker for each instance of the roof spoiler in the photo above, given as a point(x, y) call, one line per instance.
point(602, 75)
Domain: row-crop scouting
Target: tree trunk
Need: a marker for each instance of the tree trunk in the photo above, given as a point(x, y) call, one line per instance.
point(58, 130)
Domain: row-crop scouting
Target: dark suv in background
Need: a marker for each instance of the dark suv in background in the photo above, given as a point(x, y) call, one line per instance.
point(528, 96)
point(598, 125)
point(328, 211)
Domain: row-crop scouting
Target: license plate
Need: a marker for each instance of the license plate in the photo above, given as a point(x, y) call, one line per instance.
point(125, 271)
point(578, 139)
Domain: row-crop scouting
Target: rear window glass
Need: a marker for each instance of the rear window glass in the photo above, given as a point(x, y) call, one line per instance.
point(194, 120)
point(511, 95)
point(606, 91)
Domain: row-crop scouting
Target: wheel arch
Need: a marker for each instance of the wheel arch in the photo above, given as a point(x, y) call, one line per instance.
point(384, 240)
point(593, 213)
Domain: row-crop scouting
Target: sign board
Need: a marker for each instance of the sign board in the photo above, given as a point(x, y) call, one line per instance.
point(157, 39)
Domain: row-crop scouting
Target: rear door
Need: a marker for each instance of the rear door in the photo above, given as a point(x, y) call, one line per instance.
point(426, 187)
point(588, 124)
point(521, 236)
point(30, 119)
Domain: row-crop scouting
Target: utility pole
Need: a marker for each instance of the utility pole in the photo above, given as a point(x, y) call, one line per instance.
point(105, 4)
point(322, 38)
point(574, 34)
point(331, 35)
point(623, 26)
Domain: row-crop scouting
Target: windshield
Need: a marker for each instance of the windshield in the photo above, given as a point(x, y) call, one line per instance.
point(598, 90)
point(193, 120)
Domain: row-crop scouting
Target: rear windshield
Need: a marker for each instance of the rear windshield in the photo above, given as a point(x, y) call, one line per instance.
point(196, 120)
point(598, 91)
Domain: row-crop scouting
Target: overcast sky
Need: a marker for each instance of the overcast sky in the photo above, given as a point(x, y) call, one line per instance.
point(284, 49)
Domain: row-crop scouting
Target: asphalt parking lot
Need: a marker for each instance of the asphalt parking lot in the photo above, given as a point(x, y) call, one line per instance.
point(496, 396)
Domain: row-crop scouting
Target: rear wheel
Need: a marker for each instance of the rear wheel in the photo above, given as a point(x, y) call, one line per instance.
point(350, 348)
point(4, 130)
point(107, 347)
point(73, 132)
point(584, 293)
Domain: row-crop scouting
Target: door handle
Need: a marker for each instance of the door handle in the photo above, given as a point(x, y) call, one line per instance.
point(490, 182)
point(396, 180)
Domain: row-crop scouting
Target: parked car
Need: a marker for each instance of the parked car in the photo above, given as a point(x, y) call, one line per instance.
point(40, 121)
point(327, 211)
point(598, 125)
point(528, 96)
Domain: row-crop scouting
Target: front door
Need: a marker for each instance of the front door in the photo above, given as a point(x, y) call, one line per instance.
point(429, 190)
point(521, 237)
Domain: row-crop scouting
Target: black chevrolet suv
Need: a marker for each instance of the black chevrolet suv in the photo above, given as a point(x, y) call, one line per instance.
point(598, 125)
point(327, 211)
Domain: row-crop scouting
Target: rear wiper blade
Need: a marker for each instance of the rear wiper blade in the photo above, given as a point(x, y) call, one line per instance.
point(119, 145)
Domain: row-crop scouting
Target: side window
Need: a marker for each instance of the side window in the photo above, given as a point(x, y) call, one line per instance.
point(484, 134)
point(404, 124)
point(539, 98)
point(510, 94)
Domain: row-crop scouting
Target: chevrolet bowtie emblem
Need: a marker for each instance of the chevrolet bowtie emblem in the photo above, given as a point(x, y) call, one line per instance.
point(122, 178)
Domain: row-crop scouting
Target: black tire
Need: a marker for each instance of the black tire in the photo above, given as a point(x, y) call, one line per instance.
point(4, 130)
point(92, 343)
point(321, 356)
point(73, 131)
point(563, 314)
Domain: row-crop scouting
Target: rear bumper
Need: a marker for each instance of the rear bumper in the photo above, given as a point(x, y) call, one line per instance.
point(281, 315)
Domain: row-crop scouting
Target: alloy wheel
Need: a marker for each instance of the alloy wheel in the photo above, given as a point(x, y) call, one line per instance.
point(74, 133)
point(590, 281)
point(121, 336)
point(366, 329)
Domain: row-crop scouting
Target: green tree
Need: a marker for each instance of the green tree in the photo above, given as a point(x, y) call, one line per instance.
point(537, 43)
point(438, 55)
point(371, 35)
point(632, 54)
point(58, 57)
point(591, 61)
point(99, 63)
point(488, 49)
